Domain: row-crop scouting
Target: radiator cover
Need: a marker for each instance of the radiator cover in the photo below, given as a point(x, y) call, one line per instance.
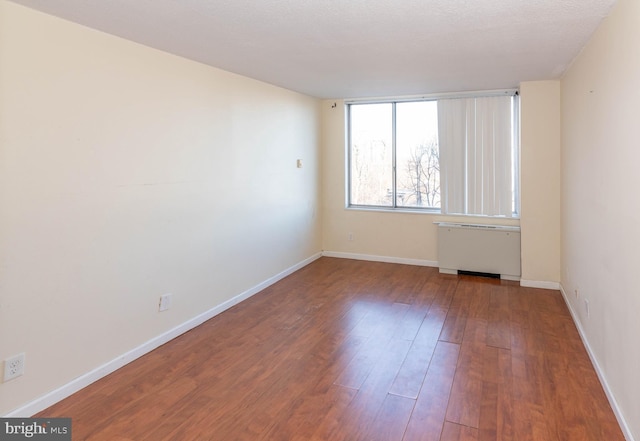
point(480, 248)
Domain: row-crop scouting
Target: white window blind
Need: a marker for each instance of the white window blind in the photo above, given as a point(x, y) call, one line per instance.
point(476, 155)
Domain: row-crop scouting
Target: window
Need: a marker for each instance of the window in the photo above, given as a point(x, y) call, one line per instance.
point(450, 155)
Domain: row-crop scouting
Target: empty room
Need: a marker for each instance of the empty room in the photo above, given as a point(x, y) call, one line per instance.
point(296, 220)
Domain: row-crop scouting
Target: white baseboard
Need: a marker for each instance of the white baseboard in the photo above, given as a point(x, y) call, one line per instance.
point(83, 381)
point(386, 259)
point(626, 431)
point(539, 284)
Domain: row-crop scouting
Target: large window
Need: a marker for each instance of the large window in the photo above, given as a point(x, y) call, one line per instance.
point(449, 155)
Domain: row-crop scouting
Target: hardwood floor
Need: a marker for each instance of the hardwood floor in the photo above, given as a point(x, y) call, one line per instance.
point(348, 350)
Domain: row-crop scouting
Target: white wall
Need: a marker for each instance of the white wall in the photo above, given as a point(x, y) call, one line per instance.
point(601, 213)
point(540, 138)
point(408, 236)
point(127, 173)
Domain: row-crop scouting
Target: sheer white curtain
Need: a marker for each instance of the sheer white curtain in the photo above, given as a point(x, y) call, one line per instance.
point(475, 155)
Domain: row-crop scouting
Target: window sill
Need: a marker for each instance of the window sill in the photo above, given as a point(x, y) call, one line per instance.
point(404, 210)
point(515, 220)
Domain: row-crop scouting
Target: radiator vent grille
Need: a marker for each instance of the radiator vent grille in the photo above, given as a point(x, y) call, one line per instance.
point(479, 248)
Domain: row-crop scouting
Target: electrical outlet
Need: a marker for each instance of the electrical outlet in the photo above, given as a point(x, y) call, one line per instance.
point(576, 291)
point(14, 367)
point(350, 237)
point(165, 302)
point(586, 307)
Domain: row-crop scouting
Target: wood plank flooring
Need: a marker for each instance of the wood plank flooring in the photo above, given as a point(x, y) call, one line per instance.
point(348, 350)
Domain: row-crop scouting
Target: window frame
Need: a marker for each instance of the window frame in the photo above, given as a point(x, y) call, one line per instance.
point(394, 207)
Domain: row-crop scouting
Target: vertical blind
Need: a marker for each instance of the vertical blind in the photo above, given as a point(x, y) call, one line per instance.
point(475, 138)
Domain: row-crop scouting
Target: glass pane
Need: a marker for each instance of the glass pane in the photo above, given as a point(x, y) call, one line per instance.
point(371, 154)
point(417, 164)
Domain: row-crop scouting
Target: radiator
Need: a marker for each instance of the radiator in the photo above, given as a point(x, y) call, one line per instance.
point(489, 249)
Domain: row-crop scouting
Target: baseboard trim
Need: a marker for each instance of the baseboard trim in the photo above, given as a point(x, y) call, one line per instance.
point(539, 284)
point(374, 258)
point(626, 431)
point(85, 380)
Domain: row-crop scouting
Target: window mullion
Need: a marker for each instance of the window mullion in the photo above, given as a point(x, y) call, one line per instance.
point(394, 190)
